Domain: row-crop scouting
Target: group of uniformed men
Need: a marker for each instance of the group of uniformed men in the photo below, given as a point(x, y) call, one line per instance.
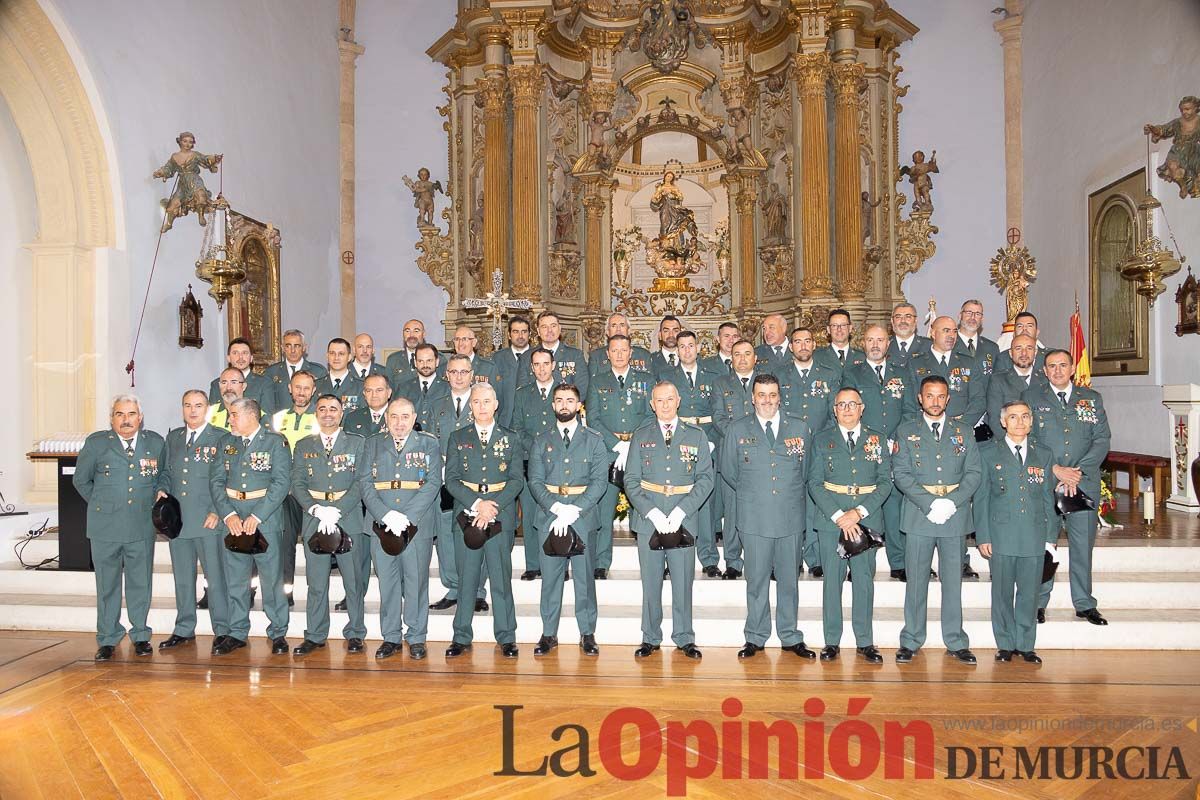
point(787, 454)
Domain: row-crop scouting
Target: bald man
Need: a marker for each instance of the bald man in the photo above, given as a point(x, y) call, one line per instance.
point(617, 325)
point(774, 351)
point(402, 363)
point(364, 363)
point(466, 343)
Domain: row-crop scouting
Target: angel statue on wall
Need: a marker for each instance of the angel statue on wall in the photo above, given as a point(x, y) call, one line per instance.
point(190, 192)
point(1183, 159)
point(918, 175)
point(422, 189)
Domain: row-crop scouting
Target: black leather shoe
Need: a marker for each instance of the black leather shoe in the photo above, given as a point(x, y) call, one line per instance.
point(142, 649)
point(968, 573)
point(355, 645)
point(772, 574)
point(732, 574)
point(904, 656)
point(217, 643)
point(443, 604)
point(1092, 615)
point(531, 574)
point(253, 595)
point(340, 605)
point(601, 574)
point(719, 536)
point(386, 650)
point(1031, 657)
point(228, 646)
point(545, 645)
point(292, 600)
point(830, 652)
point(416, 651)
point(1004, 655)
point(800, 650)
point(481, 605)
point(279, 647)
point(588, 645)
point(749, 650)
point(105, 653)
point(456, 649)
point(306, 647)
point(1041, 616)
point(900, 575)
point(174, 641)
point(964, 655)
point(870, 654)
point(202, 603)
point(817, 572)
point(711, 571)
point(691, 651)
point(645, 650)
point(933, 574)
point(509, 650)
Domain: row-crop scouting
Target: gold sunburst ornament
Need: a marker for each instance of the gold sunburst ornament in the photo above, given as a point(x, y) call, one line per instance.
point(1013, 270)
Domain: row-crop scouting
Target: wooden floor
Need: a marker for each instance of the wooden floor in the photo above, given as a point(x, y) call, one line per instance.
point(334, 725)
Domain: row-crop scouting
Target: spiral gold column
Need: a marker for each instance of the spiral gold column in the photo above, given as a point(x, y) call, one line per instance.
point(812, 74)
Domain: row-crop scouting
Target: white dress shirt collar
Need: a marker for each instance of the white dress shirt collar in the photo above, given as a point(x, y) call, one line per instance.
point(929, 421)
point(571, 427)
point(197, 431)
point(856, 430)
point(762, 423)
point(1070, 385)
point(485, 432)
point(673, 423)
point(624, 374)
point(329, 439)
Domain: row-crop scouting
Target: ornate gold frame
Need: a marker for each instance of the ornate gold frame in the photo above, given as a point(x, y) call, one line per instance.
point(1124, 193)
point(246, 233)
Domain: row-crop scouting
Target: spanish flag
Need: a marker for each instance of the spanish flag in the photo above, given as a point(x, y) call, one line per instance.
point(1079, 352)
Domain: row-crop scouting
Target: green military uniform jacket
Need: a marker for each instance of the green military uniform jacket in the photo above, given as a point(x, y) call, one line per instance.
point(968, 387)
point(185, 473)
point(1004, 387)
point(583, 463)
point(399, 366)
point(986, 353)
point(409, 387)
point(827, 356)
point(1014, 507)
point(686, 461)
point(612, 410)
point(375, 368)
point(280, 376)
point(918, 344)
point(531, 414)
point(359, 422)
point(315, 471)
point(770, 482)
point(832, 462)
point(420, 460)
point(119, 489)
point(924, 461)
point(349, 392)
point(265, 463)
point(258, 388)
point(886, 404)
point(661, 366)
point(639, 359)
point(810, 399)
point(1078, 435)
point(571, 367)
point(512, 372)
point(1004, 361)
point(696, 401)
point(767, 361)
point(438, 418)
point(716, 364)
point(469, 461)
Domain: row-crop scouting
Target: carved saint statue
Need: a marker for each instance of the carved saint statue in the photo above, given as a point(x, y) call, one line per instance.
point(868, 219)
point(1183, 159)
point(676, 222)
point(422, 189)
point(918, 175)
point(775, 213)
point(190, 193)
point(475, 227)
point(564, 216)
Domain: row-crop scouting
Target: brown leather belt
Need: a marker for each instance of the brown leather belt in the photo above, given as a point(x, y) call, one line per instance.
point(666, 489)
point(566, 491)
point(326, 495)
point(941, 490)
point(485, 488)
point(853, 491)
point(254, 494)
point(696, 420)
point(385, 485)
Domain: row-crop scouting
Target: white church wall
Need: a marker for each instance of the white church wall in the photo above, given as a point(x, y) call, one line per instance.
point(398, 131)
point(255, 81)
point(18, 226)
point(955, 105)
point(1095, 71)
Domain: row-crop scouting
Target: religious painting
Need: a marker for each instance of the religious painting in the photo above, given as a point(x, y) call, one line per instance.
point(254, 306)
point(190, 314)
point(1187, 297)
point(1120, 318)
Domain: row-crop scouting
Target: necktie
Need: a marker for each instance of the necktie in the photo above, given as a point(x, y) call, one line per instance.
point(128, 447)
point(770, 434)
point(942, 360)
point(971, 347)
point(904, 348)
point(543, 391)
point(458, 406)
point(293, 369)
point(745, 384)
point(691, 381)
point(729, 364)
point(412, 360)
point(191, 439)
point(1020, 457)
point(1062, 398)
point(779, 352)
point(879, 372)
point(671, 358)
point(424, 387)
point(850, 440)
point(667, 435)
point(337, 384)
point(937, 431)
point(803, 374)
point(621, 380)
point(842, 356)
point(566, 437)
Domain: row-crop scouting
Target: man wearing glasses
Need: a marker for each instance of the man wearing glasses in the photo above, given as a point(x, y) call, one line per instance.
point(839, 354)
point(905, 341)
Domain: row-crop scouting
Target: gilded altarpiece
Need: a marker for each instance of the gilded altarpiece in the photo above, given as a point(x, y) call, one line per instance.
point(254, 305)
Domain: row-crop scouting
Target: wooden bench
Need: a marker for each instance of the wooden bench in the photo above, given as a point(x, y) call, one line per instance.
point(1137, 464)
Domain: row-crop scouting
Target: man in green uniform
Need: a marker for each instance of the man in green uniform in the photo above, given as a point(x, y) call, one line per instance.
point(618, 401)
point(1010, 382)
point(248, 484)
point(971, 342)
point(666, 358)
point(1070, 420)
point(764, 460)
point(402, 363)
point(906, 341)
point(732, 400)
point(850, 477)
point(257, 387)
point(569, 363)
point(325, 484)
point(466, 343)
point(1025, 324)
point(839, 353)
point(937, 470)
point(721, 362)
point(617, 324)
point(295, 423)
point(512, 366)
point(421, 385)
point(1015, 525)
point(668, 477)
point(483, 474)
point(188, 458)
point(232, 386)
point(116, 474)
point(568, 475)
point(533, 414)
point(772, 354)
point(295, 359)
point(364, 364)
point(340, 380)
point(401, 478)
point(369, 420)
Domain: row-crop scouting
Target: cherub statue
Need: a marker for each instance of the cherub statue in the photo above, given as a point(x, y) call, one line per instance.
point(739, 118)
point(422, 189)
point(868, 219)
point(1183, 159)
point(918, 176)
point(190, 193)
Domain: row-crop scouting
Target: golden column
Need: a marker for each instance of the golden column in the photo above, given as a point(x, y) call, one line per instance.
point(745, 201)
point(496, 201)
point(594, 205)
point(812, 74)
point(526, 83)
point(852, 279)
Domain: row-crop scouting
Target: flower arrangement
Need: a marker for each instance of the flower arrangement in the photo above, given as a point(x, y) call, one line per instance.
point(1108, 503)
point(622, 507)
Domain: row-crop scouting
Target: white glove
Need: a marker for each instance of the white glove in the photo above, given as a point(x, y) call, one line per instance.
point(395, 521)
point(622, 451)
point(559, 526)
point(326, 528)
point(941, 510)
point(675, 519)
point(658, 519)
point(329, 515)
point(566, 512)
point(711, 448)
point(1051, 547)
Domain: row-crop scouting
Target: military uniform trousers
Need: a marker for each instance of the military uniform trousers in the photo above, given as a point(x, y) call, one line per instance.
point(184, 555)
point(583, 577)
point(293, 521)
point(765, 555)
point(1081, 541)
point(862, 591)
point(531, 537)
point(494, 558)
point(604, 534)
point(731, 537)
point(682, 563)
point(918, 560)
point(238, 568)
point(111, 560)
point(316, 570)
point(447, 555)
point(810, 553)
point(893, 541)
point(1014, 622)
point(404, 589)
